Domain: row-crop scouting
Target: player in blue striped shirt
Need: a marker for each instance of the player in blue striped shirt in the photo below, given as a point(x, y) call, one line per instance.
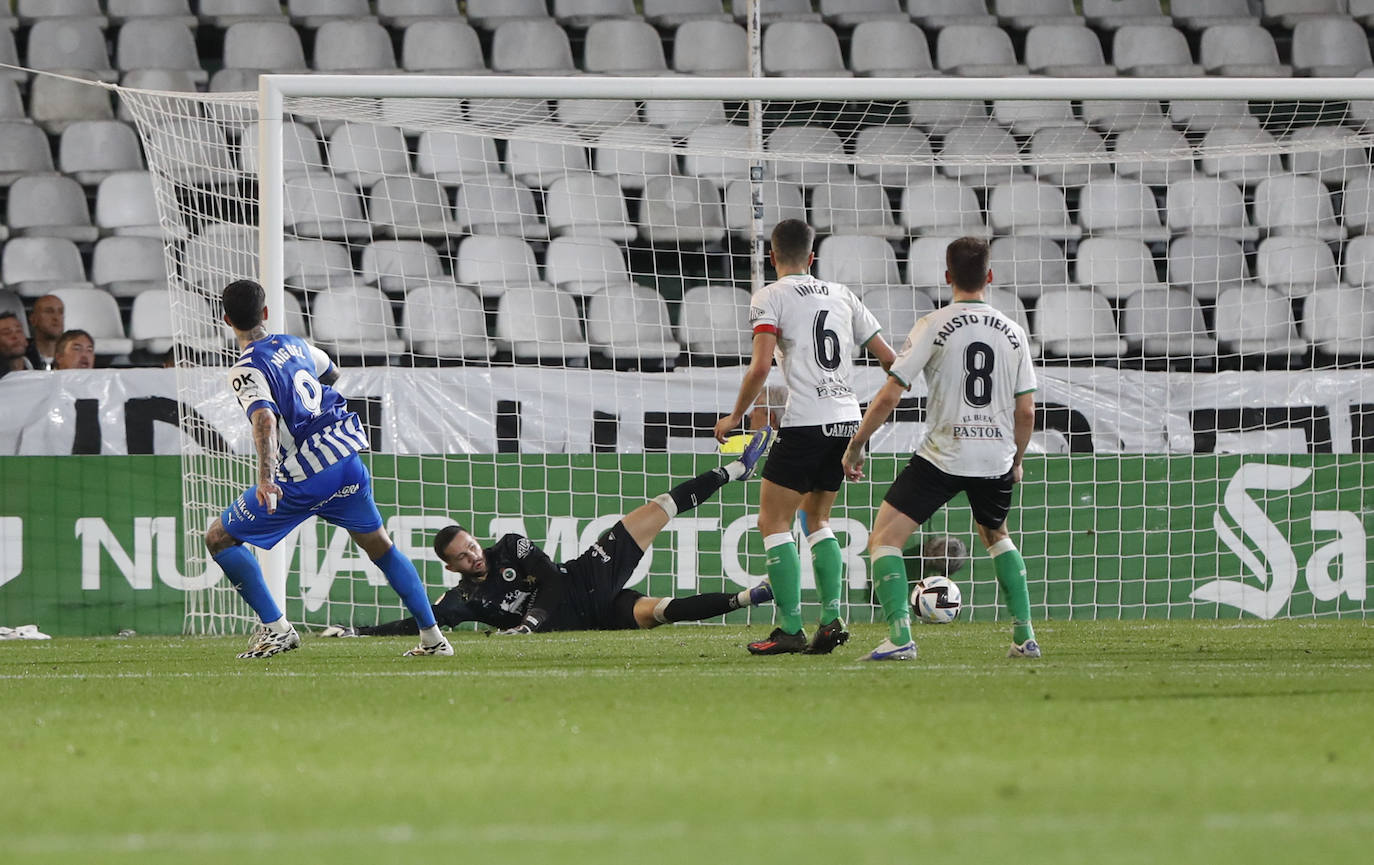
point(307, 443)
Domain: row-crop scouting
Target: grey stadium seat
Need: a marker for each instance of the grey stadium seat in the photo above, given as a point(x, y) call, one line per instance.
point(1209, 205)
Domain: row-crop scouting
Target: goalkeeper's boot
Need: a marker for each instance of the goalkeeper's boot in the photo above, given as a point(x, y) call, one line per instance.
point(442, 648)
point(1028, 649)
point(889, 651)
point(754, 451)
point(761, 594)
point(828, 638)
point(340, 631)
point(267, 643)
point(779, 643)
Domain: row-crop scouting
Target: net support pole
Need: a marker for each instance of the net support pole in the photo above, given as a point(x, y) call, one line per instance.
point(271, 243)
point(756, 227)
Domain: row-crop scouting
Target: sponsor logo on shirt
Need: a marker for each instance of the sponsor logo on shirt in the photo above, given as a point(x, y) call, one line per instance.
point(833, 390)
point(508, 574)
point(755, 313)
point(845, 429)
point(523, 547)
point(600, 553)
point(977, 431)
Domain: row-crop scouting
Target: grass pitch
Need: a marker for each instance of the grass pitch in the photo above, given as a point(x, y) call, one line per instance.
point(1130, 742)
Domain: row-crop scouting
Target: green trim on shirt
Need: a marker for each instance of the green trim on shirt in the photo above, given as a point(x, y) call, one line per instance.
point(865, 343)
point(1032, 390)
point(903, 381)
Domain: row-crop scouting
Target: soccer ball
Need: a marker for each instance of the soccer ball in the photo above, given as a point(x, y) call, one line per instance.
point(936, 600)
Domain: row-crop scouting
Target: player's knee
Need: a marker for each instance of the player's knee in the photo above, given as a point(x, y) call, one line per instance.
point(993, 537)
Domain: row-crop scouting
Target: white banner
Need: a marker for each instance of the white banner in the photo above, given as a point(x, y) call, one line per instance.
point(538, 410)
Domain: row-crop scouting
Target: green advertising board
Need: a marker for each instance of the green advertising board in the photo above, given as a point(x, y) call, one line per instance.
point(94, 544)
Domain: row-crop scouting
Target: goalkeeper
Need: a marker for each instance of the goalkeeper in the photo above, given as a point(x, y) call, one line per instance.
point(515, 587)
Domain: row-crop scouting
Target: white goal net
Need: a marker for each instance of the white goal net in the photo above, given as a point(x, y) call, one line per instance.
point(538, 292)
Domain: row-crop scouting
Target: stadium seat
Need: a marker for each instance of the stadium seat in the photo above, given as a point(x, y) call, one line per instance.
point(125, 204)
point(972, 50)
point(792, 142)
point(674, 13)
point(1005, 300)
point(587, 205)
point(319, 204)
point(1241, 50)
point(1207, 265)
point(534, 47)
point(855, 13)
point(226, 13)
point(9, 55)
point(35, 11)
point(156, 43)
point(1339, 321)
point(581, 14)
point(1054, 148)
point(1209, 205)
point(1330, 47)
point(453, 158)
point(713, 323)
point(91, 150)
point(1025, 14)
point(272, 45)
point(857, 260)
point(541, 158)
point(631, 156)
point(218, 252)
point(939, 116)
point(1289, 13)
point(10, 302)
point(779, 10)
point(301, 150)
point(1076, 323)
point(1362, 11)
point(317, 264)
point(897, 308)
point(981, 154)
point(1357, 268)
point(1115, 267)
point(895, 143)
point(364, 153)
point(1246, 169)
point(1029, 265)
point(1030, 208)
point(353, 46)
point(1121, 115)
point(853, 207)
point(494, 264)
point(1253, 320)
point(539, 324)
point(681, 210)
point(446, 46)
point(926, 266)
point(410, 207)
point(167, 80)
point(401, 14)
point(293, 316)
point(55, 103)
point(1360, 113)
point(711, 47)
point(1164, 155)
point(1331, 166)
point(65, 44)
point(590, 115)
point(355, 320)
point(1153, 51)
point(49, 205)
point(1294, 265)
point(1200, 14)
point(808, 48)
point(34, 266)
point(941, 205)
point(1120, 207)
point(150, 319)
point(400, 266)
point(95, 312)
point(780, 201)
point(680, 117)
point(497, 204)
point(129, 266)
point(890, 49)
point(1296, 204)
point(1066, 50)
point(445, 321)
point(311, 14)
point(1165, 322)
point(629, 324)
point(623, 47)
point(706, 141)
point(1028, 116)
point(1115, 14)
point(507, 112)
point(935, 14)
point(1357, 203)
point(491, 14)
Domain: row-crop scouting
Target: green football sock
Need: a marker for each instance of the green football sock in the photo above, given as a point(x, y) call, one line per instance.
point(829, 566)
point(784, 574)
point(889, 581)
point(1011, 576)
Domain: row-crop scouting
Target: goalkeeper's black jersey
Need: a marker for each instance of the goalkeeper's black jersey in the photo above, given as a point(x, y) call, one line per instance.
point(518, 572)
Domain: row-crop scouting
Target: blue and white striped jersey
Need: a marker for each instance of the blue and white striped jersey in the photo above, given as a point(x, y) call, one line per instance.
point(315, 429)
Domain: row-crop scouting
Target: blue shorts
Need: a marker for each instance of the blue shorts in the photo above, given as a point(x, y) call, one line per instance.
point(341, 495)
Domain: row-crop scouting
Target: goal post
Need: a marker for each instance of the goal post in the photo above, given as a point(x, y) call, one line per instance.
point(539, 288)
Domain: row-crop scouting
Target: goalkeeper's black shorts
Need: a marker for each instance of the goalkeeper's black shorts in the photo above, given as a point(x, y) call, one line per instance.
point(922, 489)
point(598, 578)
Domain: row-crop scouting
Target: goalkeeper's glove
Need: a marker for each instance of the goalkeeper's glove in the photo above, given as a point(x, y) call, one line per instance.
point(521, 628)
point(533, 619)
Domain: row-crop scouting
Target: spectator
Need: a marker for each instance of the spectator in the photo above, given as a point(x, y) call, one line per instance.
point(75, 350)
point(13, 344)
point(46, 321)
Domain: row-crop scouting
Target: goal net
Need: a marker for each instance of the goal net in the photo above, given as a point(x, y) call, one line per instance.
point(538, 292)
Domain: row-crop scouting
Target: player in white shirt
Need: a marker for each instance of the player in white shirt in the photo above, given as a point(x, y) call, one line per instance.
point(812, 326)
point(980, 413)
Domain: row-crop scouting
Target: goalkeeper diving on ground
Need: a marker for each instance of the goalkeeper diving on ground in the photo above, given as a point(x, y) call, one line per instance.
point(515, 587)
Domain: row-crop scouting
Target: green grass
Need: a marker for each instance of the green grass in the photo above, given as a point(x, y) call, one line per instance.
point(1139, 742)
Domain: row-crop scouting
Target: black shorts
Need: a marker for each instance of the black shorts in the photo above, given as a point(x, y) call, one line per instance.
point(601, 602)
point(922, 489)
point(807, 458)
